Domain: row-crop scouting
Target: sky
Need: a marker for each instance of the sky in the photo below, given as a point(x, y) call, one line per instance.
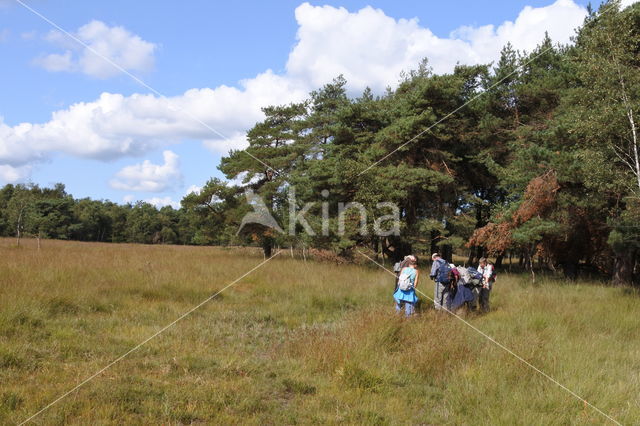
point(129, 101)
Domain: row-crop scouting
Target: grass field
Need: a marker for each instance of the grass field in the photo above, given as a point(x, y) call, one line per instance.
point(296, 342)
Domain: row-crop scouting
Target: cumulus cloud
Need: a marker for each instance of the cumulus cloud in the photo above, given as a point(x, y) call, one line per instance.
point(10, 174)
point(371, 48)
point(149, 177)
point(116, 126)
point(367, 46)
point(57, 62)
point(157, 202)
point(193, 189)
point(119, 45)
point(160, 202)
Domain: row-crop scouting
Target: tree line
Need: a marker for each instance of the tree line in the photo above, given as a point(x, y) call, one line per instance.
point(28, 210)
point(534, 157)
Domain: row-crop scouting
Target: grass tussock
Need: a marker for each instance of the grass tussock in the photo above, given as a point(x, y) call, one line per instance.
point(296, 343)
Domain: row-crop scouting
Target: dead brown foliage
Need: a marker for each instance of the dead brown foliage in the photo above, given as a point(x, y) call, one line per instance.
point(539, 198)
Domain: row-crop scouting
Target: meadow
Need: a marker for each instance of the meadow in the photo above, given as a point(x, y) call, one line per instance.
point(296, 342)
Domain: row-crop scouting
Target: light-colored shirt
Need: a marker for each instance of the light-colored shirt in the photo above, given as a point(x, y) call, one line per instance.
point(487, 273)
point(436, 264)
point(407, 295)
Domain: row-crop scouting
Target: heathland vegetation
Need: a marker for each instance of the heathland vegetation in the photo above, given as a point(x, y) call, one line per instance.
point(296, 343)
point(534, 158)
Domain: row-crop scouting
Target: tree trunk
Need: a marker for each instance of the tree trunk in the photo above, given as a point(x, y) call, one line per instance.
point(476, 252)
point(570, 270)
point(499, 260)
point(529, 264)
point(447, 253)
point(472, 256)
point(19, 226)
point(396, 249)
point(434, 242)
point(623, 267)
point(267, 247)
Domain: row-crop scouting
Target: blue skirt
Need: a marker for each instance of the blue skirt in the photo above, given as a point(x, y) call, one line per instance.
point(405, 296)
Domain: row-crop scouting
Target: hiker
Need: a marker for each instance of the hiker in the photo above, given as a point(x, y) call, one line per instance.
point(442, 275)
point(405, 293)
point(466, 283)
point(397, 267)
point(455, 274)
point(473, 280)
point(488, 278)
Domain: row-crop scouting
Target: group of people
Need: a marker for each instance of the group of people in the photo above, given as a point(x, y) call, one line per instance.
point(455, 286)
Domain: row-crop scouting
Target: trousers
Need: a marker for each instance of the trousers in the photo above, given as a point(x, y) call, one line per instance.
point(441, 296)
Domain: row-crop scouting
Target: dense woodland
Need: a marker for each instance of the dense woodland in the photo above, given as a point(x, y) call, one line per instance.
point(539, 162)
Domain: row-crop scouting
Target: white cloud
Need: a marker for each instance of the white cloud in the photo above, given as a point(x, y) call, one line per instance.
point(193, 189)
point(160, 202)
point(371, 48)
point(368, 47)
point(117, 44)
point(11, 174)
point(28, 35)
point(57, 62)
point(116, 126)
point(157, 202)
point(239, 180)
point(149, 177)
point(4, 35)
point(236, 140)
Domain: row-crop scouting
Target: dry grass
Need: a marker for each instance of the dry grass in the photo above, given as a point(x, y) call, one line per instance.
point(295, 342)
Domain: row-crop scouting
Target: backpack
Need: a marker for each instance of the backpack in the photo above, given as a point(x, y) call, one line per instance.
point(473, 272)
point(443, 273)
point(404, 282)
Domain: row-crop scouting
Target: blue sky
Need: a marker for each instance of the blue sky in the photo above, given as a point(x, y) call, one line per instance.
point(218, 62)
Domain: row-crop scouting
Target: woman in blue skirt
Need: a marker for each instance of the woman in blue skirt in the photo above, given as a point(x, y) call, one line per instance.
point(406, 292)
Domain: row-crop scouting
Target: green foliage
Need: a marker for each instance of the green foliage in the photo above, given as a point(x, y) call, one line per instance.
point(456, 153)
point(28, 210)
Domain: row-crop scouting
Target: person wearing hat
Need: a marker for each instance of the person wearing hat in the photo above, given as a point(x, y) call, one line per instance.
point(405, 294)
point(440, 273)
point(401, 265)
